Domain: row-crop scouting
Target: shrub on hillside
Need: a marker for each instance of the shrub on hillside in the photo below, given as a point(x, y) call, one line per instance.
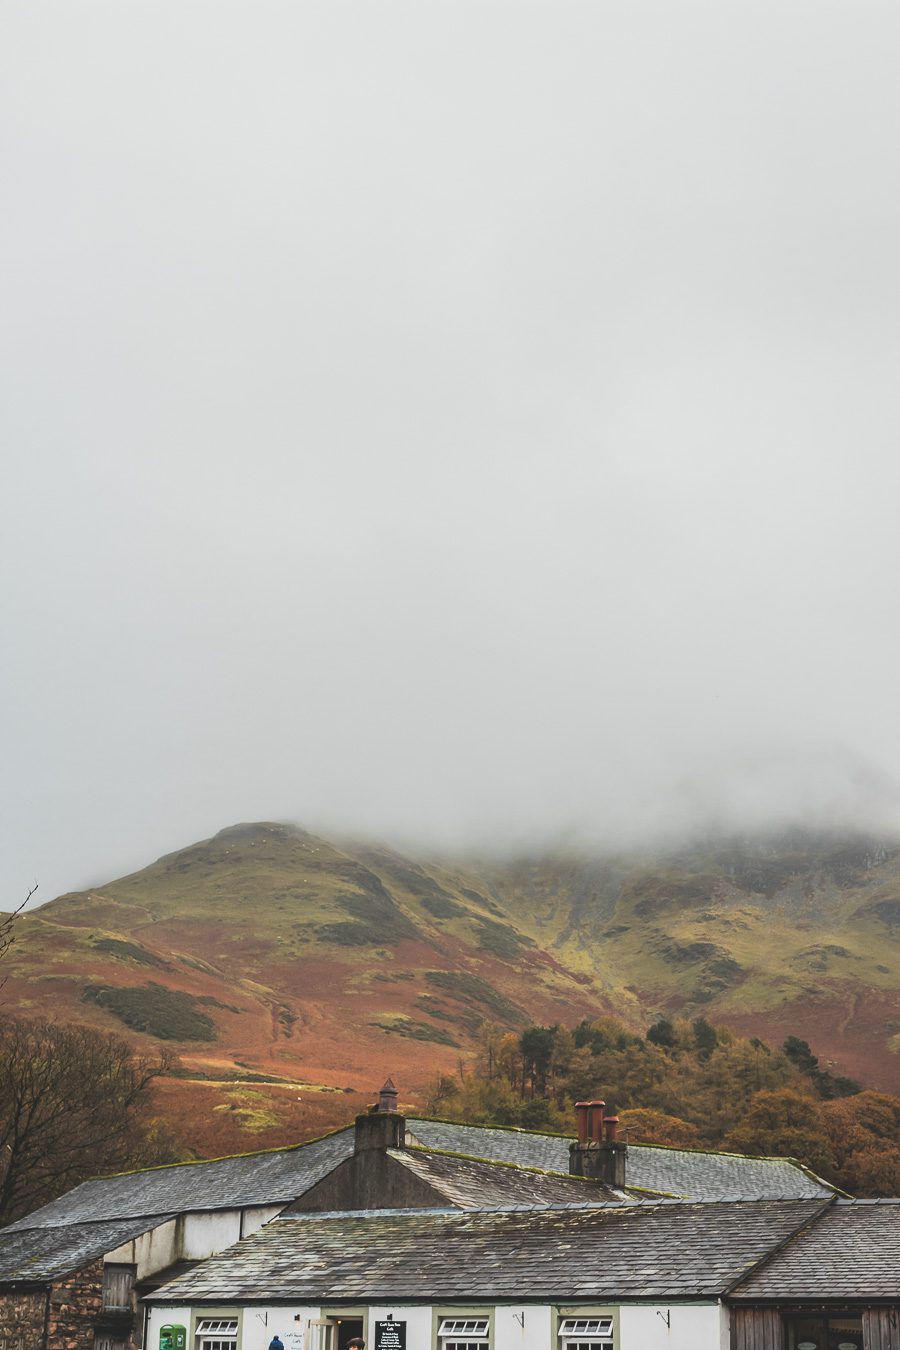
point(168, 1014)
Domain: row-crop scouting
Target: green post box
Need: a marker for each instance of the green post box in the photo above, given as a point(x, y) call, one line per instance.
point(172, 1337)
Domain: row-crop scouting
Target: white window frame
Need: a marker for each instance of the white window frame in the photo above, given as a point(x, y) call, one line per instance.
point(464, 1329)
point(586, 1329)
point(586, 1333)
point(216, 1329)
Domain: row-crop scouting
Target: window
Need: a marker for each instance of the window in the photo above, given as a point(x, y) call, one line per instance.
point(825, 1333)
point(118, 1282)
point(586, 1329)
point(464, 1333)
point(586, 1333)
point(217, 1333)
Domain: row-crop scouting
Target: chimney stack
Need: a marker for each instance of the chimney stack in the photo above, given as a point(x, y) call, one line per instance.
point(381, 1126)
point(597, 1154)
point(387, 1097)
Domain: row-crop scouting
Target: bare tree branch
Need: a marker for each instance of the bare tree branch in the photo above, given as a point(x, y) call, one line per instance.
point(8, 927)
point(73, 1103)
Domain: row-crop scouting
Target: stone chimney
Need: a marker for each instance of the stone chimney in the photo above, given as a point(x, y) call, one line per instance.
point(381, 1126)
point(597, 1153)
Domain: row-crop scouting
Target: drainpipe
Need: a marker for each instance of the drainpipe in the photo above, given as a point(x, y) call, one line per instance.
point(46, 1332)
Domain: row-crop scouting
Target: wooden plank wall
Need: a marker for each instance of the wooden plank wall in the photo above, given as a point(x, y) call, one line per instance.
point(881, 1328)
point(758, 1329)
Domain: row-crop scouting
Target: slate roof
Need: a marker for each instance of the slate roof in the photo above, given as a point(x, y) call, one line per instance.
point(37, 1255)
point(665, 1249)
point(852, 1253)
point(269, 1178)
point(670, 1171)
point(278, 1176)
point(472, 1183)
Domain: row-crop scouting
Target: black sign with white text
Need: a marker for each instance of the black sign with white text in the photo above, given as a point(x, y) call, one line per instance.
point(390, 1336)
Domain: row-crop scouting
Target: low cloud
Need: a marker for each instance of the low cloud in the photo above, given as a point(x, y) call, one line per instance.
point(468, 427)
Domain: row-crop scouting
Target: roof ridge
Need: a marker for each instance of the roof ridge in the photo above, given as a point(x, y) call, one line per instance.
point(562, 1206)
point(666, 1148)
point(225, 1157)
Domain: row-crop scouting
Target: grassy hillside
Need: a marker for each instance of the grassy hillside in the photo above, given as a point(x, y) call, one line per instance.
point(292, 972)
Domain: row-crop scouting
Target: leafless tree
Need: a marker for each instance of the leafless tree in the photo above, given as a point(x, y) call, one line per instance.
point(72, 1105)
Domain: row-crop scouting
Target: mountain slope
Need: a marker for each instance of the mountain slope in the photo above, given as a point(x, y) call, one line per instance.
point(325, 964)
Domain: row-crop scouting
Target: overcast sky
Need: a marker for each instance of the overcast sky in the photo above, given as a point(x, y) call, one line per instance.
point(466, 422)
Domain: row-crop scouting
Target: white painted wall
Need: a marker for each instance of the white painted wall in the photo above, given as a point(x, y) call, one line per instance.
point(150, 1252)
point(691, 1326)
point(191, 1237)
point(160, 1317)
point(520, 1327)
point(204, 1234)
point(255, 1218)
point(157, 1249)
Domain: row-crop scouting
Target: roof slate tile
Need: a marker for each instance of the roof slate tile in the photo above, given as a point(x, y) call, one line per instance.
point(618, 1251)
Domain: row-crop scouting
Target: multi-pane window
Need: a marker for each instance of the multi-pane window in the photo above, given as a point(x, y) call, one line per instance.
point(217, 1333)
point(464, 1333)
point(586, 1333)
point(825, 1333)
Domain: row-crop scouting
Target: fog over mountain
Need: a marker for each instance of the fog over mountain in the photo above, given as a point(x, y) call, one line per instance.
point(468, 423)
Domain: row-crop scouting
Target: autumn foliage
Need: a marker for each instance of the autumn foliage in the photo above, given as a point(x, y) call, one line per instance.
point(685, 1084)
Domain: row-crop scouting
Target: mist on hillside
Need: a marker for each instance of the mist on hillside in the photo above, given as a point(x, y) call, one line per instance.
point(470, 426)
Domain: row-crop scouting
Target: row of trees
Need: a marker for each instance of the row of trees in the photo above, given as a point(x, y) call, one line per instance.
point(684, 1084)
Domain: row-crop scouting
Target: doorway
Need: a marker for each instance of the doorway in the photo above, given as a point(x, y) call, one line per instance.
point(345, 1330)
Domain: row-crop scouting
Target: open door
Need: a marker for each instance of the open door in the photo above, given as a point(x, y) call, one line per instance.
point(319, 1334)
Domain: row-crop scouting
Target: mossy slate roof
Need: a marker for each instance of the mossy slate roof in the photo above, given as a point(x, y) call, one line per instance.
point(39, 1255)
point(472, 1183)
point(644, 1251)
point(252, 1179)
point(278, 1176)
point(851, 1253)
point(668, 1171)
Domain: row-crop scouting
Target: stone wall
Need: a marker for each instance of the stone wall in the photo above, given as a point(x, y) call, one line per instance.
point(70, 1320)
point(75, 1303)
point(22, 1321)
